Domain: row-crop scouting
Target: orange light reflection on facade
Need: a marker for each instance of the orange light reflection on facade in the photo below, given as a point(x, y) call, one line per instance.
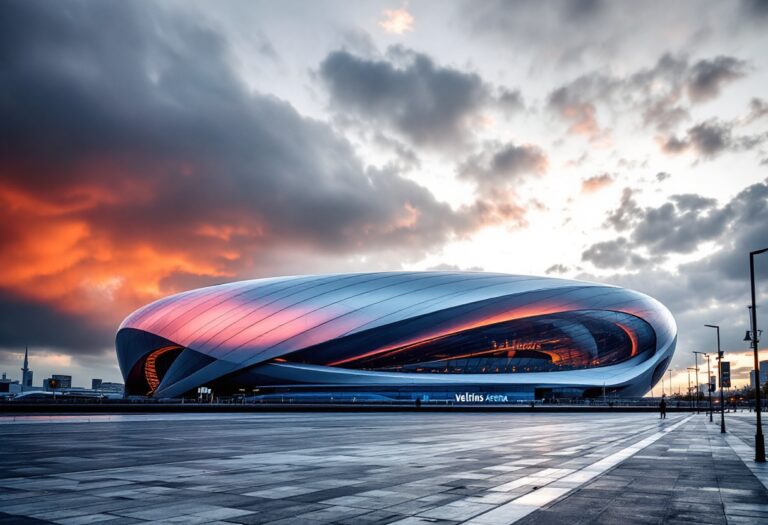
point(632, 337)
point(510, 315)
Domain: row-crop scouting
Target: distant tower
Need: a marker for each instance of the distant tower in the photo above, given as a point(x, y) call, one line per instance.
point(26, 373)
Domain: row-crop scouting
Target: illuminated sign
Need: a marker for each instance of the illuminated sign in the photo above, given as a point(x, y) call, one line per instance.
point(473, 397)
point(725, 374)
point(518, 345)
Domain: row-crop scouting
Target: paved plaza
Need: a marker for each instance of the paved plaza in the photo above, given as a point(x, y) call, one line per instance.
point(366, 468)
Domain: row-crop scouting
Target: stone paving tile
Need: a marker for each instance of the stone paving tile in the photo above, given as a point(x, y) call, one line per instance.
point(689, 476)
point(409, 468)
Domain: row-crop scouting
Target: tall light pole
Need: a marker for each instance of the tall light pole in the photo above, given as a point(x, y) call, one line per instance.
point(709, 391)
point(719, 377)
point(698, 386)
point(759, 440)
point(689, 383)
point(755, 339)
point(696, 367)
point(670, 382)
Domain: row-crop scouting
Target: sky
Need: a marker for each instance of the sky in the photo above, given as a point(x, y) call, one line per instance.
point(148, 148)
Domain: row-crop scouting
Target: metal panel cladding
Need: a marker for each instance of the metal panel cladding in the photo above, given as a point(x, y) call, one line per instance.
point(399, 328)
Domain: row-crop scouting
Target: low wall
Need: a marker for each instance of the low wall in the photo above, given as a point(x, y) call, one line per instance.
point(150, 408)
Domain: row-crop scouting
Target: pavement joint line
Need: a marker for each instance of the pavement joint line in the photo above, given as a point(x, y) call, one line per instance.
point(746, 454)
point(520, 507)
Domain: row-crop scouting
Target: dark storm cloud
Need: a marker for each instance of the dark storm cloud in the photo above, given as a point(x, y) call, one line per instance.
point(429, 104)
point(25, 322)
point(130, 147)
point(178, 123)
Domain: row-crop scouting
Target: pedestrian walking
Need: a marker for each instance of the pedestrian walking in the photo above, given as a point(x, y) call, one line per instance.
point(663, 407)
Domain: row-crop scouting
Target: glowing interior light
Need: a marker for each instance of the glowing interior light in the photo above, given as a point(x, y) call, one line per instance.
point(150, 367)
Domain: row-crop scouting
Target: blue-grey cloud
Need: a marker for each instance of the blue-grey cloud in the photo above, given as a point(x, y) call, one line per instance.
point(429, 104)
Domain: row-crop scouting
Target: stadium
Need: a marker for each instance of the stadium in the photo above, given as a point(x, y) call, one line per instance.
point(468, 337)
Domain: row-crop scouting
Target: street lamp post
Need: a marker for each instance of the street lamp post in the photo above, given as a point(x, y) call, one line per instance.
point(696, 367)
point(689, 383)
point(759, 440)
point(697, 382)
point(670, 382)
point(709, 389)
point(719, 377)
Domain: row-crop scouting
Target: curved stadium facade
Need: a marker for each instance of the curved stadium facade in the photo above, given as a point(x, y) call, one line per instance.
point(465, 336)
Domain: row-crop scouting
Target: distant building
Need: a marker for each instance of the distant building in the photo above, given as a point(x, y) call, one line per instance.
point(9, 386)
point(62, 381)
point(763, 375)
point(106, 386)
point(26, 373)
point(116, 388)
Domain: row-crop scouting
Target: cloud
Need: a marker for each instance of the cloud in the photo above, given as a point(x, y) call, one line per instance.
point(596, 183)
point(510, 100)
point(711, 288)
point(710, 139)
point(662, 176)
point(627, 212)
point(613, 254)
point(397, 21)
point(445, 267)
point(680, 225)
point(581, 114)
point(430, 105)
point(137, 163)
point(500, 165)
point(758, 108)
point(562, 34)
point(707, 77)
point(657, 93)
point(683, 225)
point(557, 268)
point(26, 322)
